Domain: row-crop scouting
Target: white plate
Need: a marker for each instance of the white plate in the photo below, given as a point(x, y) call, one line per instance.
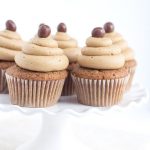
point(119, 133)
point(18, 131)
point(135, 96)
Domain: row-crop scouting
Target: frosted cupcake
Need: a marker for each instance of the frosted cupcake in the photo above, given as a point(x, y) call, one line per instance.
point(101, 78)
point(71, 50)
point(38, 78)
point(10, 45)
point(128, 52)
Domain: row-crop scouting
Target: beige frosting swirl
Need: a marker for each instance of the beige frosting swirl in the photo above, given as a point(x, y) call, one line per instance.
point(122, 44)
point(43, 55)
point(102, 56)
point(10, 45)
point(102, 62)
point(45, 42)
point(98, 42)
point(65, 41)
point(118, 41)
point(114, 36)
point(72, 53)
point(94, 51)
point(128, 54)
point(69, 45)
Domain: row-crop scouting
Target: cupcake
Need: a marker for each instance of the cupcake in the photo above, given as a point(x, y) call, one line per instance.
point(38, 78)
point(101, 78)
point(71, 50)
point(10, 45)
point(130, 62)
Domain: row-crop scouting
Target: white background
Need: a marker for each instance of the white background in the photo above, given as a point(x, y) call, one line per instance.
point(131, 19)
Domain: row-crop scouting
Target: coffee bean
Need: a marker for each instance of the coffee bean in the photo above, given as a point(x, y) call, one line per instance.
point(109, 27)
point(44, 31)
point(10, 25)
point(61, 27)
point(41, 24)
point(98, 32)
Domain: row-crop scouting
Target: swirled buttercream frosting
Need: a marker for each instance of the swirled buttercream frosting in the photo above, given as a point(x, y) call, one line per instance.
point(10, 42)
point(67, 43)
point(42, 54)
point(100, 53)
point(118, 40)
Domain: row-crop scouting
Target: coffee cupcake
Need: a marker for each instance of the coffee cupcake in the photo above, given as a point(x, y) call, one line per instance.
point(101, 78)
point(71, 50)
point(130, 62)
point(38, 78)
point(10, 45)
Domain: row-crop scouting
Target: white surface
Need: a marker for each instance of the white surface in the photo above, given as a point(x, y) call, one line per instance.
point(64, 132)
point(127, 128)
point(56, 134)
point(16, 128)
point(119, 131)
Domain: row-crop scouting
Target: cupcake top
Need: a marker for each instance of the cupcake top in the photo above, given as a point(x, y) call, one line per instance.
point(128, 54)
point(100, 53)
point(67, 43)
point(41, 53)
point(118, 40)
point(10, 42)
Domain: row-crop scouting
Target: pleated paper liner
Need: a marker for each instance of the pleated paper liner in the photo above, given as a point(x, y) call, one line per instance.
point(131, 75)
point(99, 92)
point(3, 82)
point(34, 93)
point(68, 88)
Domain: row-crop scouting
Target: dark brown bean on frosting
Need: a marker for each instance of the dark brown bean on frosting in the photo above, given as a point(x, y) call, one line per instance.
point(10, 25)
point(61, 27)
point(41, 24)
point(109, 27)
point(98, 32)
point(44, 31)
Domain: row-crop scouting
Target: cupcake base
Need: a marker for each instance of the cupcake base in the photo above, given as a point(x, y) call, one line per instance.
point(100, 87)
point(69, 88)
point(131, 66)
point(33, 89)
point(3, 83)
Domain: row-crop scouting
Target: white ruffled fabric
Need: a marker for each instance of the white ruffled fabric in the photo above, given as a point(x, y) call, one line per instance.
point(65, 132)
point(124, 129)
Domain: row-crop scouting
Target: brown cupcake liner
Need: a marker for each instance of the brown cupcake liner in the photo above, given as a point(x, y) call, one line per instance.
point(3, 82)
point(131, 75)
point(68, 88)
point(99, 92)
point(34, 93)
